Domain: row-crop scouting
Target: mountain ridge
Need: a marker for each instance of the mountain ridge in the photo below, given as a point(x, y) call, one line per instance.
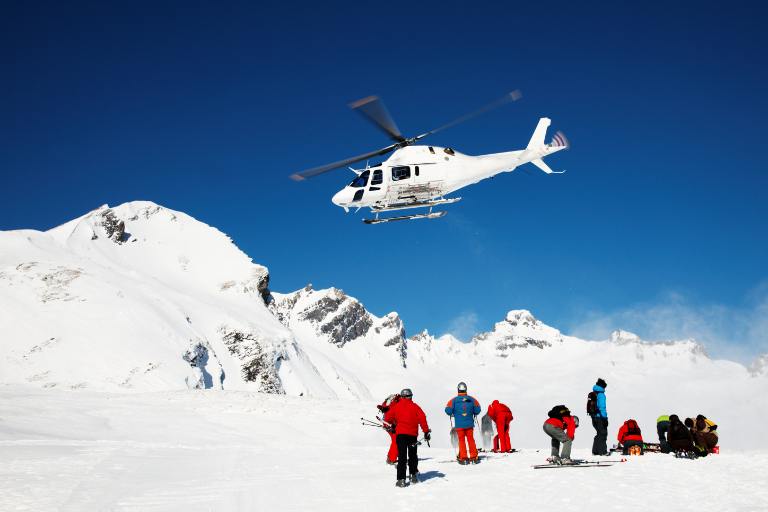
point(166, 301)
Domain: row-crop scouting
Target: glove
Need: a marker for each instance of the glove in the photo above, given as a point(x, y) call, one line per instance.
point(427, 435)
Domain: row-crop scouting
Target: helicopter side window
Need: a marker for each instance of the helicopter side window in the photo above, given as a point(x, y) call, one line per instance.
point(378, 177)
point(449, 151)
point(361, 180)
point(401, 172)
point(416, 170)
point(431, 150)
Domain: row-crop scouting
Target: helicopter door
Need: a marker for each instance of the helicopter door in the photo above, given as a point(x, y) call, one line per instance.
point(378, 188)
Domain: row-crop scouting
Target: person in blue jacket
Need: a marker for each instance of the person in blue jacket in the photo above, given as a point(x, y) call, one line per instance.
point(600, 420)
point(463, 409)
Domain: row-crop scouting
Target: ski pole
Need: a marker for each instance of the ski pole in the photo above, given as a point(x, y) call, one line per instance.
point(453, 431)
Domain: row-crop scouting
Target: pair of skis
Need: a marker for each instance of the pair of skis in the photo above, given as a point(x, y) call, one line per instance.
point(580, 463)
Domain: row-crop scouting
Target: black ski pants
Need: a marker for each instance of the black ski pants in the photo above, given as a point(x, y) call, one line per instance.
point(661, 428)
point(406, 455)
point(600, 443)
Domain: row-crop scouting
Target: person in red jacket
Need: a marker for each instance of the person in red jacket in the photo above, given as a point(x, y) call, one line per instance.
point(384, 407)
point(407, 417)
point(630, 435)
point(502, 416)
point(561, 427)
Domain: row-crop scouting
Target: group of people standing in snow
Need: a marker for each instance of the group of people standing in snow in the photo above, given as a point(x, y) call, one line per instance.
point(403, 418)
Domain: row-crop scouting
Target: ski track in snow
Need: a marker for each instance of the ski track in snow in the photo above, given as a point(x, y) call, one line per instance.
point(232, 451)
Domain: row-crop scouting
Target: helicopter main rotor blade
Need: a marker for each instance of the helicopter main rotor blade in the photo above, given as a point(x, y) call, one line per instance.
point(512, 96)
point(373, 109)
point(309, 173)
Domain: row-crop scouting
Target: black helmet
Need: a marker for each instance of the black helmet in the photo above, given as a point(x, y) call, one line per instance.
point(600, 382)
point(406, 393)
point(462, 387)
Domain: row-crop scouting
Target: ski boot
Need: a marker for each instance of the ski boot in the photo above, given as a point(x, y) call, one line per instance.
point(463, 462)
point(566, 462)
point(475, 460)
point(401, 483)
point(554, 460)
point(414, 478)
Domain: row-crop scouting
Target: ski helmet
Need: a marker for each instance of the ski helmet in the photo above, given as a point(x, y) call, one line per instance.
point(462, 387)
point(406, 393)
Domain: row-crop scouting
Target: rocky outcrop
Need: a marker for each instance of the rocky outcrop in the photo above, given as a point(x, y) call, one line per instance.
point(335, 316)
point(518, 330)
point(391, 327)
point(114, 228)
point(260, 361)
point(338, 318)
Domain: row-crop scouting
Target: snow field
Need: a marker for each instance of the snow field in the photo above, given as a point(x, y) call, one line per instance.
point(230, 451)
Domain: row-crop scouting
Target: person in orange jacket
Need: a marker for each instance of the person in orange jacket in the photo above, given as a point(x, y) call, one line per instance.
point(630, 435)
point(502, 416)
point(463, 409)
point(407, 417)
point(390, 401)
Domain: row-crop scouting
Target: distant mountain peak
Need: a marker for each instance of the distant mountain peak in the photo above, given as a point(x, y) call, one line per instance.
point(621, 337)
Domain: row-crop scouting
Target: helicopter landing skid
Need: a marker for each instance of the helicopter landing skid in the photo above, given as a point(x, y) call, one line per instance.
point(435, 215)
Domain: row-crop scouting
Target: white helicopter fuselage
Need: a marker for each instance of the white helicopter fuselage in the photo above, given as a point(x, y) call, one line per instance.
point(415, 175)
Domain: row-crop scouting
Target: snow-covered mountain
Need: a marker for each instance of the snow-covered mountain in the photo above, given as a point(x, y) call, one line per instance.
point(140, 297)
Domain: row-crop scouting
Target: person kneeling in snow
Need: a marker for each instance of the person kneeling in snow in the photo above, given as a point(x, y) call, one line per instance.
point(407, 417)
point(502, 416)
point(704, 432)
point(678, 436)
point(630, 438)
point(561, 427)
point(384, 407)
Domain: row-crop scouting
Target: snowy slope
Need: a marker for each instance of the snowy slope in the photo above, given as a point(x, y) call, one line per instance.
point(142, 298)
point(239, 451)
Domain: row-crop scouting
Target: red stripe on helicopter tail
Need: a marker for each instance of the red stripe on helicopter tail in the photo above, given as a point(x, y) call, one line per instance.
point(559, 140)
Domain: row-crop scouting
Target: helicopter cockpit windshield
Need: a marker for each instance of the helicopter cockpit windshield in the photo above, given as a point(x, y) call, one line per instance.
point(361, 180)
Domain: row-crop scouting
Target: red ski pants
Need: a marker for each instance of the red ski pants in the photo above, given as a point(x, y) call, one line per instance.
point(466, 433)
point(392, 454)
point(501, 440)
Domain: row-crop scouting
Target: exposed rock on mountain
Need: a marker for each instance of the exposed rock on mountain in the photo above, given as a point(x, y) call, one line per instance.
point(519, 330)
point(139, 297)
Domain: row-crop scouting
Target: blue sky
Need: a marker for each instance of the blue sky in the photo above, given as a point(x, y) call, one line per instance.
point(207, 108)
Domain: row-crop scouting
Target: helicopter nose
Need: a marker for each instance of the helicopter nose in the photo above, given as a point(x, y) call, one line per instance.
point(340, 198)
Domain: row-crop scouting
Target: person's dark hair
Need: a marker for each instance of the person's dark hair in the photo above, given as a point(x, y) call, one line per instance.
point(600, 382)
point(688, 422)
point(674, 418)
point(701, 417)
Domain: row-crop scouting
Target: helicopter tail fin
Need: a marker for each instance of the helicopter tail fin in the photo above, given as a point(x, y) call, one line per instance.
point(537, 139)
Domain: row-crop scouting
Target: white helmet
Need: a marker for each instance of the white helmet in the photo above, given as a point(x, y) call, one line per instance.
point(462, 387)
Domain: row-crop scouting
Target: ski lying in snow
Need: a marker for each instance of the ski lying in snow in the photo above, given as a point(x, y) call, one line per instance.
point(575, 465)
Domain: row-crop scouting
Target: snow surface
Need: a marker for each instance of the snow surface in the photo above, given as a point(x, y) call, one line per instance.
point(216, 450)
point(136, 343)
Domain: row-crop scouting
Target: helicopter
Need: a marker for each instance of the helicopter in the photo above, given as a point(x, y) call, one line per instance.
point(417, 176)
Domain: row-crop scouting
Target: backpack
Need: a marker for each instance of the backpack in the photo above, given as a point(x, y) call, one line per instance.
point(632, 428)
point(592, 403)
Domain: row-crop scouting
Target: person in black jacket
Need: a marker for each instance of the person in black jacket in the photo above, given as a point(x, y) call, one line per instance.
point(678, 436)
